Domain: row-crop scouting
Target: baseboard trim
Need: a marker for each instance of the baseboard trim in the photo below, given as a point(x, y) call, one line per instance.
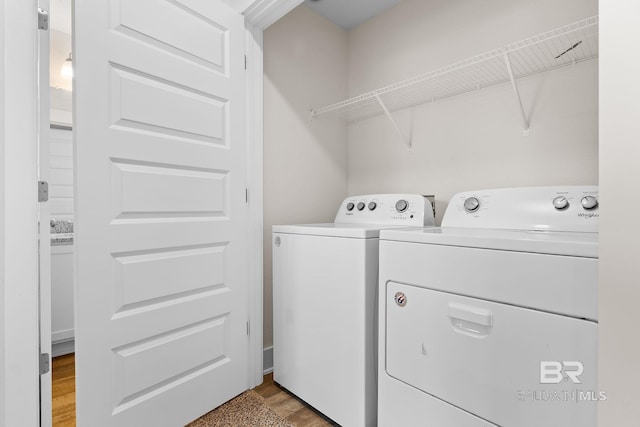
point(267, 360)
point(63, 347)
point(62, 335)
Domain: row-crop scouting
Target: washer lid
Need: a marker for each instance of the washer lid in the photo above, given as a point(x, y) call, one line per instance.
point(543, 242)
point(354, 231)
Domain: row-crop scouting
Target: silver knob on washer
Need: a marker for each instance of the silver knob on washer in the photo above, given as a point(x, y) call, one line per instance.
point(402, 205)
point(560, 203)
point(589, 202)
point(372, 205)
point(471, 204)
point(360, 206)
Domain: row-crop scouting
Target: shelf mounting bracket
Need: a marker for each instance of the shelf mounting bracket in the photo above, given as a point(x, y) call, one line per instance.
point(514, 86)
point(393, 122)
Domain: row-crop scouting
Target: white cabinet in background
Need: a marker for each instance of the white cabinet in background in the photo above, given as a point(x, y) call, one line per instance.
point(62, 335)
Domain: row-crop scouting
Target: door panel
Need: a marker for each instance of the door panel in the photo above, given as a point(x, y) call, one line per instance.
point(204, 40)
point(144, 102)
point(164, 270)
point(161, 291)
point(143, 189)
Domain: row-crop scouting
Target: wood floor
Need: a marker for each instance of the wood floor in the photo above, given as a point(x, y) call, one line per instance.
point(63, 391)
point(289, 407)
point(280, 401)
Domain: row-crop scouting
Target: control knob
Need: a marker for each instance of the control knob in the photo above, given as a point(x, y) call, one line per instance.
point(589, 202)
point(350, 206)
point(402, 205)
point(471, 204)
point(560, 203)
point(360, 206)
point(372, 205)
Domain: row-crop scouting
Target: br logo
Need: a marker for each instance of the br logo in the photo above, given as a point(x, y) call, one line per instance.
point(552, 372)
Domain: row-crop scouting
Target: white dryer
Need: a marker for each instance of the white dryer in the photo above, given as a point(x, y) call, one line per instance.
point(491, 320)
point(325, 278)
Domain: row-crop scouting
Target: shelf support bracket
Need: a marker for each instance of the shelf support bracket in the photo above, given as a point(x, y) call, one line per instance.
point(393, 122)
point(525, 123)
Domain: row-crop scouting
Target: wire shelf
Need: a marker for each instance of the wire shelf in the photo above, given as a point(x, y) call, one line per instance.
point(563, 46)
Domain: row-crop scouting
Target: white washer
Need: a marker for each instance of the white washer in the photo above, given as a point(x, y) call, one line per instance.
point(491, 319)
point(324, 289)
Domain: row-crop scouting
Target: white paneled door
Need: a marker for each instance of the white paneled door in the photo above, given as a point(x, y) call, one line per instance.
point(160, 155)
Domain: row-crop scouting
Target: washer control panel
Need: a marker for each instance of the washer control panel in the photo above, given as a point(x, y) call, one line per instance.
point(572, 208)
point(402, 205)
point(589, 203)
point(471, 204)
point(393, 209)
point(560, 203)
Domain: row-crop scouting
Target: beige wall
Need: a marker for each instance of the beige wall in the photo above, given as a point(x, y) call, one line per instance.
point(619, 345)
point(474, 140)
point(462, 143)
point(305, 162)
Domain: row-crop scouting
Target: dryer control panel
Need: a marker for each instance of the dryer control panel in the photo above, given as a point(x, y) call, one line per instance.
point(412, 210)
point(571, 208)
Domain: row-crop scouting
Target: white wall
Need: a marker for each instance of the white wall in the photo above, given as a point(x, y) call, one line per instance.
point(61, 173)
point(474, 140)
point(61, 207)
point(61, 102)
point(60, 48)
point(305, 162)
point(619, 345)
point(19, 205)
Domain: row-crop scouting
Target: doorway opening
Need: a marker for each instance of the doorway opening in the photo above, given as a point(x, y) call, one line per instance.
point(61, 216)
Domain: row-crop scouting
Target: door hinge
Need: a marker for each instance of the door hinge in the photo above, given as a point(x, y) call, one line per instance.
point(44, 363)
point(43, 19)
point(248, 328)
point(245, 62)
point(43, 191)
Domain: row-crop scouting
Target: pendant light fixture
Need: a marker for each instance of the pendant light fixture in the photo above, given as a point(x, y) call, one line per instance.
point(66, 71)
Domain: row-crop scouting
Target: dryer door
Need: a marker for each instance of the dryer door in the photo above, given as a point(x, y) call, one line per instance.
point(512, 366)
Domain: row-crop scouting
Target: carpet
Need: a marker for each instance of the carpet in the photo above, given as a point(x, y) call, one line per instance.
point(247, 409)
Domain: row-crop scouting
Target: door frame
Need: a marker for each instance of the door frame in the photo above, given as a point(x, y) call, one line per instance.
point(19, 282)
point(259, 15)
point(19, 388)
point(44, 216)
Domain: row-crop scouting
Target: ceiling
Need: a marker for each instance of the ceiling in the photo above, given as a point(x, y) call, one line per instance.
point(349, 13)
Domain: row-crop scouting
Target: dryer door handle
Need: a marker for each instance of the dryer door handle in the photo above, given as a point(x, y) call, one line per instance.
point(469, 320)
